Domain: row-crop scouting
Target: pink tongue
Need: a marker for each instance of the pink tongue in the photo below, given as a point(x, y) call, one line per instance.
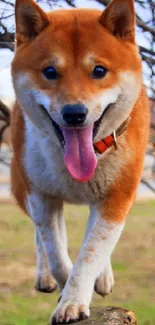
point(80, 158)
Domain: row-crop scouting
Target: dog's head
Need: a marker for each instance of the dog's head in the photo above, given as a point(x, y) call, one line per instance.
point(77, 75)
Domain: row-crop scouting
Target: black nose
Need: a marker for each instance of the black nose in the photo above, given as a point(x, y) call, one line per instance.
point(74, 114)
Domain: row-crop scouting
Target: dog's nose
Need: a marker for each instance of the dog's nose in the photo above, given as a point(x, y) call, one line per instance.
point(74, 114)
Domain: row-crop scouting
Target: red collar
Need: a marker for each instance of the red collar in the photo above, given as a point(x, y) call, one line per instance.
point(102, 145)
point(111, 140)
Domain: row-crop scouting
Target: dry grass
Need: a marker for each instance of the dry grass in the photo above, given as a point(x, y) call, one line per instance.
point(133, 262)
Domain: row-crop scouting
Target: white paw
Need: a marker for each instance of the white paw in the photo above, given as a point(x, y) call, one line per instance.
point(69, 312)
point(45, 283)
point(105, 282)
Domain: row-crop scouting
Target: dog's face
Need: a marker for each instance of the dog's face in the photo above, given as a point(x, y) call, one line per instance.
point(77, 74)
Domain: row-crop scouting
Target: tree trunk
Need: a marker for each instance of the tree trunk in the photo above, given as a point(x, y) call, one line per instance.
point(110, 316)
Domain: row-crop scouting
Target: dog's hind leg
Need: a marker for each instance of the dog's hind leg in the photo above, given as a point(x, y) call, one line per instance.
point(62, 230)
point(44, 280)
point(46, 213)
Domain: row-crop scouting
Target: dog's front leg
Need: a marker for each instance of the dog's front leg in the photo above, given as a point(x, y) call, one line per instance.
point(46, 213)
point(105, 282)
point(100, 240)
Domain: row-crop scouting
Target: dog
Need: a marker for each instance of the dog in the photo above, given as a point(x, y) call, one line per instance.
point(79, 131)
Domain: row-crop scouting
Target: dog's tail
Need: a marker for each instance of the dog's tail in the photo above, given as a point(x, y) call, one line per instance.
point(4, 124)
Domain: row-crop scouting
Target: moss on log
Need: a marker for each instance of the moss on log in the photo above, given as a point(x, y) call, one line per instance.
point(110, 316)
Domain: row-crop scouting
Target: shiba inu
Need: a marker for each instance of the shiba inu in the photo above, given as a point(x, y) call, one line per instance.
point(79, 133)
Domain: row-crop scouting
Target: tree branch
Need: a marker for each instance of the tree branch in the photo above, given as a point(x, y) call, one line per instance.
point(7, 3)
point(7, 45)
point(103, 2)
point(148, 59)
point(145, 27)
point(146, 50)
point(70, 3)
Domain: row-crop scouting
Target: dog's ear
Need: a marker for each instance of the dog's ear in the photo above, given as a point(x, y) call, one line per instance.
point(30, 20)
point(119, 19)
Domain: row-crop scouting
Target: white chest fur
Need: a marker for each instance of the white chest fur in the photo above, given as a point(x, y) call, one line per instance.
point(44, 165)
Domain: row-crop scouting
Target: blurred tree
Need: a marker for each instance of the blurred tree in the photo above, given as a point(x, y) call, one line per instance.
point(145, 10)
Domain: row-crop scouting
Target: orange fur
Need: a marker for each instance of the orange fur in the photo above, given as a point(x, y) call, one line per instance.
point(109, 53)
point(121, 194)
point(19, 181)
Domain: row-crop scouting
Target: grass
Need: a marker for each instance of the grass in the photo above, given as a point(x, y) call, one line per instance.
point(133, 264)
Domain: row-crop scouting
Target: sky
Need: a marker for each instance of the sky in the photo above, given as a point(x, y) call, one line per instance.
point(6, 56)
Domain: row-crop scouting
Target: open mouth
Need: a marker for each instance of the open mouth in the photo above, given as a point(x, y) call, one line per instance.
point(56, 127)
point(79, 154)
point(59, 132)
point(99, 121)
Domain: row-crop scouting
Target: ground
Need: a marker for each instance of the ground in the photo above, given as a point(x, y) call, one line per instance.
point(133, 263)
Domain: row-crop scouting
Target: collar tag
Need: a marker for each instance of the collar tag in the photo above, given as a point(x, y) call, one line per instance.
point(115, 140)
point(111, 140)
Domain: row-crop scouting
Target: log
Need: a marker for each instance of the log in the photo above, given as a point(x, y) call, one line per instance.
point(110, 316)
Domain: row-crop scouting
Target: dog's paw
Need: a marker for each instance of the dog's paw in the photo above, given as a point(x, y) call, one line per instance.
point(45, 284)
point(105, 282)
point(69, 312)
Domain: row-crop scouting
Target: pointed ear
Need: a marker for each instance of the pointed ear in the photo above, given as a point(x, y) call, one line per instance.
point(119, 19)
point(30, 20)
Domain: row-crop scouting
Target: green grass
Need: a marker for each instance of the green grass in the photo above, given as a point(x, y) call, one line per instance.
point(133, 263)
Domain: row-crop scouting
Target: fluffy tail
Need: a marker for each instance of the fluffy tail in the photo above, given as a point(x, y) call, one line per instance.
point(4, 123)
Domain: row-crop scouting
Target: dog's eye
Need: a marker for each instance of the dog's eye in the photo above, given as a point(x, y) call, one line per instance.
point(50, 73)
point(99, 72)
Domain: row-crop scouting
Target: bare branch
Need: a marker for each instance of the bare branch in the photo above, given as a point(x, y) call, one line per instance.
point(8, 3)
point(3, 27)
point(146, 50)
point(7, 45)
point(104, 2)
point(145, 27)
point(70, 3)
point(148, 59)
point(145, 182)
